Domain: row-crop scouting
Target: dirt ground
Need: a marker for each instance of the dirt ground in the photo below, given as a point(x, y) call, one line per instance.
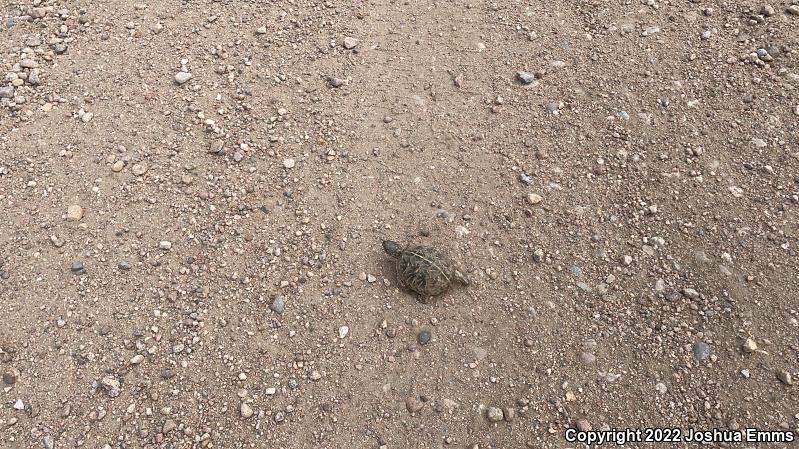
point(196, 261)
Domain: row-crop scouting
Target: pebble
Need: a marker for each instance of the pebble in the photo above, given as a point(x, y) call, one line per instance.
point(19, 405)
point(169, 426)
point(793, 10)
point(182, 77)
point(278, 304)
point(587, 358)
point(525, 77)
point(111, 385)
point(118, 166)
point(701, 350)
point(28, 64)
point(335, 82)
point(524, 179)
point(11, 376)
point(690, 293)
point(534, 198)
point(124, 265)
point(350, 43)
point(495, 414)
point(48, 442)
point(424, 337)
point(767, 10)
point(650, 30)
point(343, 331)
point(289, 163)
point(77, 266)
point(413, 404)
point(261, 30)
point(246, 411)
point(137, 359)
point(749, 346)
point(165, 245)
point(583, 425)
point(139, 169)
point(74, 212)
point(7, 92)
point(784, 377)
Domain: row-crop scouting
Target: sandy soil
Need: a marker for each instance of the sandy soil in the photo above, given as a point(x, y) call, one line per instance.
point(196, 261)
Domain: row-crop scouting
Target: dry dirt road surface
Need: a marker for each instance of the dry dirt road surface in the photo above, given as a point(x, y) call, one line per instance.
point(194, 196)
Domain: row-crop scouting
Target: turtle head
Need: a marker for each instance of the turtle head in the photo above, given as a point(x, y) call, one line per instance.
point(392, 248)
point(460, 275)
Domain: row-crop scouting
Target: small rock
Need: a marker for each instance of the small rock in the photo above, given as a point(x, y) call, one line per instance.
point(19, 405)
point(350, 43)
point(343, 331)
point(784, 377)
point(534, 198)
point(111, 385)
point(424, 337)
point(124, 265)
point(583, 425)
point(650, 30)
point(139, 169)
point(525, 77)
point(587, 358)
point(509, 413)
point(28, 64)
point(169, 426)
point(48, 442)
point(701, 350)
point(749, 346)
point(246, 411)
point(137, 359)
point(413, 404)
point(278, 304)
point(217, 146)
point(793, 10)
point(182, 77)
point(11, 376)
point(165, 245)
point(690, 293)
point(261, 30)
point(289, 163)
point(77, 266)
point(495, 414)
point(767, 10)
point(118, 166)
point(7, 92)
point(74, 212)
point(333, 82)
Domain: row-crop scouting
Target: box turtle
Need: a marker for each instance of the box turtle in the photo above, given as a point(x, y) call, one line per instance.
point(424, 269)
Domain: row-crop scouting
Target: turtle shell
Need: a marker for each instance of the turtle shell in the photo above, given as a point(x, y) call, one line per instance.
point(424, 270)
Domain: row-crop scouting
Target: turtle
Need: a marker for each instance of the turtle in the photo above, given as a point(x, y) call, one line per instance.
point(424, 269)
